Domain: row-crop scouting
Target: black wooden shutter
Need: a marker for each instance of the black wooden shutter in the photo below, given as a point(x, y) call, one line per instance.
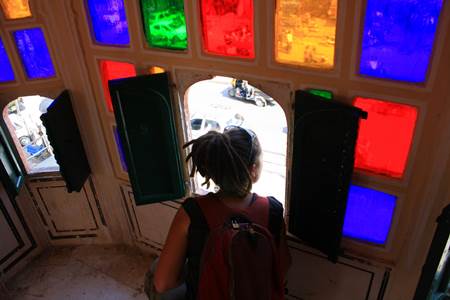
point(143, 111)
point(64, 136)
point(324, 143)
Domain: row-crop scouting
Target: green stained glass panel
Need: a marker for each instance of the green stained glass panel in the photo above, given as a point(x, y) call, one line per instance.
point(322, 93)
point(165, 23)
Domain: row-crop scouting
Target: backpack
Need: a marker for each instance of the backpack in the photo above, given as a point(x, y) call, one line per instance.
point(240, 260)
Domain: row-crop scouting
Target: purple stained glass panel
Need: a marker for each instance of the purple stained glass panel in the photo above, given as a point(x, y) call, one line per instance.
point(369, 214)
point(6, 71)
point(33, 52)
point(398, 38)
point(120, 149)
point(109, 22)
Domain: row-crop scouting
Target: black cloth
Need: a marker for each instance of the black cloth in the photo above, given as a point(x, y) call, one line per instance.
point(198, 233)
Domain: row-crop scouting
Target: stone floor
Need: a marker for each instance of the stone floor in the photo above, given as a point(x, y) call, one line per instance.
point(82, 273)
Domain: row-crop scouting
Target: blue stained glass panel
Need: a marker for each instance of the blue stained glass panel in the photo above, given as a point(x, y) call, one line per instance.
point(398, 38)
point(369, 214)
point(109, 22)
point(34, 53)
point(6, 71)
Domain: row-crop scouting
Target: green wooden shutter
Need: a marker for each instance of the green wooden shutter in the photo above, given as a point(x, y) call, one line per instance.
point(143, 111)
point(11, 174)
point(324, 144)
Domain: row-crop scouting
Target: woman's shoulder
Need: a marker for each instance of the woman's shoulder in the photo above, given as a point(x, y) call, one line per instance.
point(194, 201)
point(192, 206)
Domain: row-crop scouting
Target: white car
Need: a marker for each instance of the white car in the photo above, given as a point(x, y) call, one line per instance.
point(201, 123)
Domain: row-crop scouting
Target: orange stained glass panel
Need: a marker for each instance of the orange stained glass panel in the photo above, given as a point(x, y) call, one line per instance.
point(305, 32)
point(155, 70)
point(15, 9)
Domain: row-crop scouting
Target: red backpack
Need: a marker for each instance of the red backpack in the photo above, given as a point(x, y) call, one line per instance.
point(240, 260)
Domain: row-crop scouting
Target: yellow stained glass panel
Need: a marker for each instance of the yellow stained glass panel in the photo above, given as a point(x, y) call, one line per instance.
point(305, 32)
point(15, 9)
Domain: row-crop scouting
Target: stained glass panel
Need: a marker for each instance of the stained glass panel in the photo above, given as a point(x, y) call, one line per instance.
point(165, 23)
point(114, 70)
point(398, 38)
point(322, 93)
point(155, 70)
point(15, 9)
point(385, 138)
point(227, 27)
point(6, 71)
point(34, 53)
point(109, 22)
point(305, 32)
point(369, 214)
point(120, 150)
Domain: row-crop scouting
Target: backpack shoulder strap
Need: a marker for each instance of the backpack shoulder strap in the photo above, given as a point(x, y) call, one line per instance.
point(214, 211)
point(258, 211)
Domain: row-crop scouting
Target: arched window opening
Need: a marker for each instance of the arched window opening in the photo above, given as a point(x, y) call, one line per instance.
point(22, 117)
point(223, 101)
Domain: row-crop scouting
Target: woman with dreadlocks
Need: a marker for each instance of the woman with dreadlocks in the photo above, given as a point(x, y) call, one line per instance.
point(233, 161)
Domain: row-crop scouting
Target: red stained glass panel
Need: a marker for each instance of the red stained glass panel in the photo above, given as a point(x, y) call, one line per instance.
point(227, 27)
point(385, 138)
point(114, 70)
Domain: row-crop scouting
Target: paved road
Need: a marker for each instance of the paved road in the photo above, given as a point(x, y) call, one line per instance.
point(210, 99)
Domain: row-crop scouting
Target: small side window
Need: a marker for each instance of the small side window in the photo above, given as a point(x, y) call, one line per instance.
point(22, 118)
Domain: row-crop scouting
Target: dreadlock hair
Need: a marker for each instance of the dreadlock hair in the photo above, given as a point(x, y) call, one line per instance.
point(226, 159)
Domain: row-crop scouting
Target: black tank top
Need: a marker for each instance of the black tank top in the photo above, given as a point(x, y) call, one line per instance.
point(198, 233)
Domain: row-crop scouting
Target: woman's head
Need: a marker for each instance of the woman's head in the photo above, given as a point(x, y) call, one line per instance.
point(231, 159)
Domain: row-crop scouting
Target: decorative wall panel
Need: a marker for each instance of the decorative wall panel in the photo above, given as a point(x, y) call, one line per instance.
point(149, 223)
point(312, 277)
point(16, 240)
point(67, 215)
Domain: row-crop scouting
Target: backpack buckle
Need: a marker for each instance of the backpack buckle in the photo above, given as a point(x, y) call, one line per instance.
point(235, 224)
